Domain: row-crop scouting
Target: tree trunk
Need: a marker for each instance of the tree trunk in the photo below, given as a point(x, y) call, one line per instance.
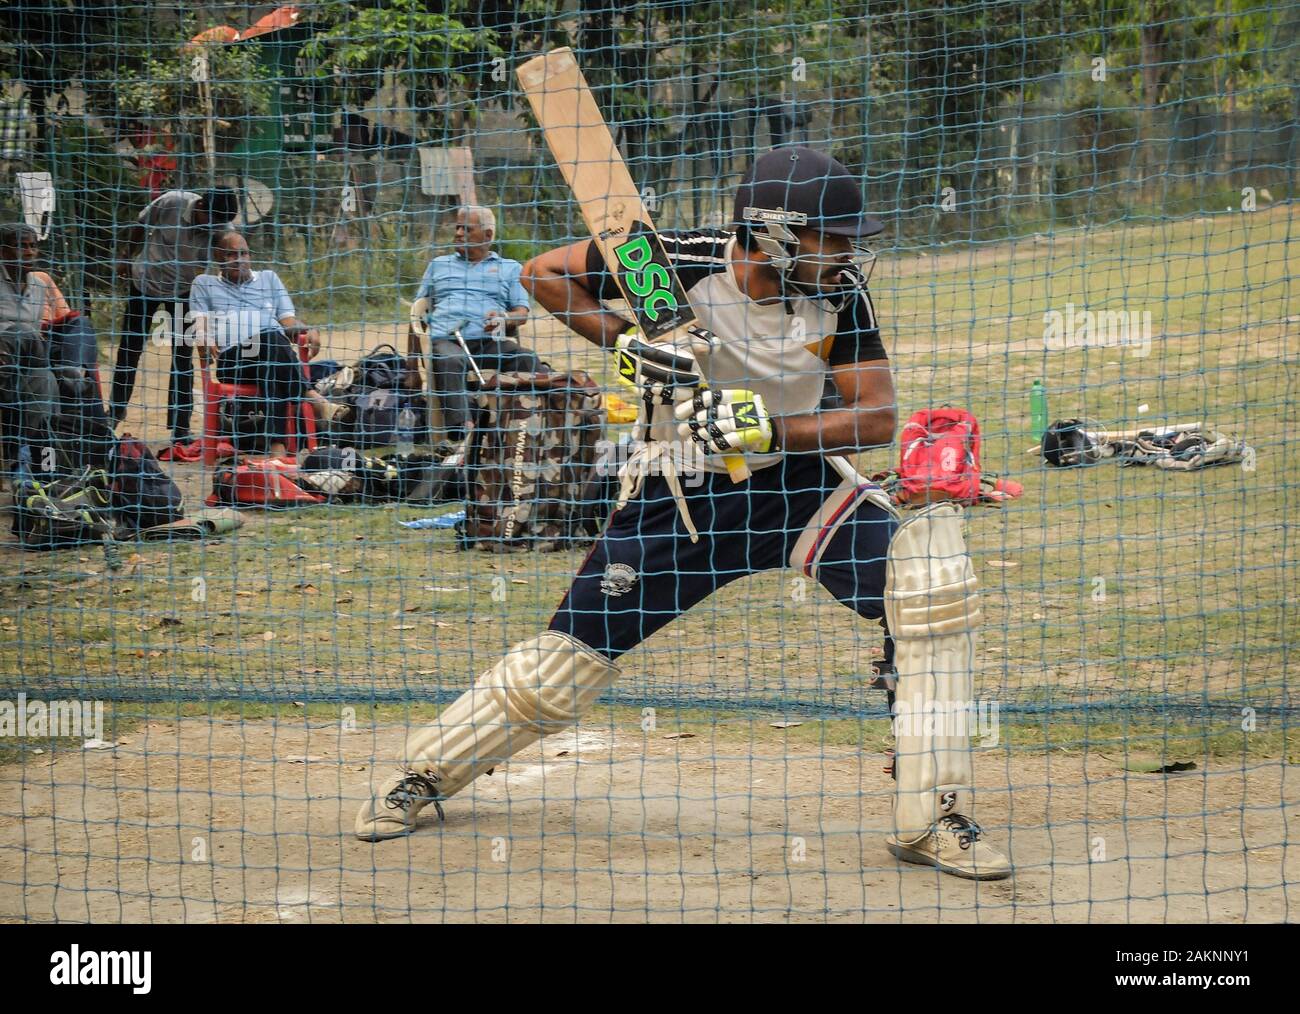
point(39, 104)
point(1153, 45)
point(1229, 96)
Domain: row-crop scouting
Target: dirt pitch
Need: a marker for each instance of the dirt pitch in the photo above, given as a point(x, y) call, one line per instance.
point(205, 820)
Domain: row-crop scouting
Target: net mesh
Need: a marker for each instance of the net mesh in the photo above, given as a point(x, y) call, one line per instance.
point(1088, 215)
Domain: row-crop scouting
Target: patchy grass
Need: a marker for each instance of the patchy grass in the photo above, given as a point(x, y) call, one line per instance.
point(1100, 583)
point(1217, 741)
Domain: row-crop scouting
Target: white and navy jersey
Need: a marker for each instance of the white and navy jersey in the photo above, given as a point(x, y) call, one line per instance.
point(780, 350)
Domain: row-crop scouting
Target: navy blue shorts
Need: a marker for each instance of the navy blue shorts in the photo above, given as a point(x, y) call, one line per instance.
point(645, 571)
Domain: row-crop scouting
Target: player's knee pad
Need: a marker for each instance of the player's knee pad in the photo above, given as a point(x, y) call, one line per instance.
point(932, 608)
point(540, 686)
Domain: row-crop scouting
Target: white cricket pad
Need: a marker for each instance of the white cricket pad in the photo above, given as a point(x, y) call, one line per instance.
point(932, 608)
point(539, 687)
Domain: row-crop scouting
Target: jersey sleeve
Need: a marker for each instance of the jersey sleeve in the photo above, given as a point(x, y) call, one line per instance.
point(857, 332)
point(693, 253)
point(603, 286)
point(516, 294)
point(283, 304)
point(425, 291)
point(200, 295)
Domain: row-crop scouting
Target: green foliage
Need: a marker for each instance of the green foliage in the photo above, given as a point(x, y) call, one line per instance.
point(108, 199)
point(163, 91)
point(436, 60)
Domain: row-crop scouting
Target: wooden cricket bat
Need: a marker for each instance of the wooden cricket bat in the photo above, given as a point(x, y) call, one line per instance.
point(611, 204)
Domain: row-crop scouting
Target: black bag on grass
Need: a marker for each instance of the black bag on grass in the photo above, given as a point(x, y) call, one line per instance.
point(143, 495)
point(383, 368)
point(345, 475)
point(376, 417)
point(244, 422)
point(82, 429)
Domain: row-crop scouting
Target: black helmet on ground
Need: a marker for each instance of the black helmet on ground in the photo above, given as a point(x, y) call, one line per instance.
point(1066, 444)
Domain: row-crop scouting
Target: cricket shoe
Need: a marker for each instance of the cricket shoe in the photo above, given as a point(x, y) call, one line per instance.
point(391, 813)
point(953, 845)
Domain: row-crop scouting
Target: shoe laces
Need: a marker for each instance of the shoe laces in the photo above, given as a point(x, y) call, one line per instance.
point(413, 786)
point(966, 830)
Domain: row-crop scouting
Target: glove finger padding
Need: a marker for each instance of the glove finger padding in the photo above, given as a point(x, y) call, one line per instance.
point(656, 372)
point(726, 421)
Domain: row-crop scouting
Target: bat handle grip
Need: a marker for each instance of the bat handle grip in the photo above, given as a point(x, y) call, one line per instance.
point(736, 468)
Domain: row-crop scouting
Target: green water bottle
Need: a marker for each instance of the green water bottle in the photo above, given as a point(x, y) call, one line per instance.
point(1038, 409)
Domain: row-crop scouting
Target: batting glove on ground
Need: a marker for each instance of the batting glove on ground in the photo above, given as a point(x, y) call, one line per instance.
point(726, 422)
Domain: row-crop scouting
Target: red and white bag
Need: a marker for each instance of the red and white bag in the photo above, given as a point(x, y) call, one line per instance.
point(940, 457)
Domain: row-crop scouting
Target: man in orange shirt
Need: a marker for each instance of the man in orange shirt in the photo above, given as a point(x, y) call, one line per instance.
point(32, 299)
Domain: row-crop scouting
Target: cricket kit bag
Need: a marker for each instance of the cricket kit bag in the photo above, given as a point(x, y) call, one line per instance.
point(62, 511)
point(530, 453)
point(346, 475)
point(260, 482)
point(375, 418)
point(380, 397)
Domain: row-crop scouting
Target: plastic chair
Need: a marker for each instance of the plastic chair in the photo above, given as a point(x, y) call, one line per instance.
point(216, 391)
point(419, 310)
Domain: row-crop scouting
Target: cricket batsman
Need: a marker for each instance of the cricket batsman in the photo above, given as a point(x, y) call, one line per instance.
point(782, 303)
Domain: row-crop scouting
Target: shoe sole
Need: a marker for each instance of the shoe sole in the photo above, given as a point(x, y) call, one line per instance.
point(382, 836)
point(917, 859)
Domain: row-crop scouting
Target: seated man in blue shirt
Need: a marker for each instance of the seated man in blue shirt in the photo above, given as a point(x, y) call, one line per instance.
point(477, 290)
point(249, 317)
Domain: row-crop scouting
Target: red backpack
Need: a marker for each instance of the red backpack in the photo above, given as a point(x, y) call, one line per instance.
point(940, 457)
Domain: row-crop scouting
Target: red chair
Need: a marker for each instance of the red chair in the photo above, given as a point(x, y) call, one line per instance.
point(215, 391)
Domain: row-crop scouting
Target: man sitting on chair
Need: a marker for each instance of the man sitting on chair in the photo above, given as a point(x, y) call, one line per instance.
point(249, 317)
point(477, 291)
point(39, 336)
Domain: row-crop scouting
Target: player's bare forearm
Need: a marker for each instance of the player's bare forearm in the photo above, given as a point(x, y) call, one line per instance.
point(868, 418)
point(558, 280)
point(839, 430)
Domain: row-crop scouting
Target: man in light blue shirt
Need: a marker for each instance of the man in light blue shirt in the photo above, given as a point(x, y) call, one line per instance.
point(477, 290)
point(249, 318)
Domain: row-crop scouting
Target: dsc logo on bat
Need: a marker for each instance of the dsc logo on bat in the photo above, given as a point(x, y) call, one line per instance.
point(648, 280)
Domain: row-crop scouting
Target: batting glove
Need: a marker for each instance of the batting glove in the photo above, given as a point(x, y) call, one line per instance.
point(656, 373)
point(726, 422)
